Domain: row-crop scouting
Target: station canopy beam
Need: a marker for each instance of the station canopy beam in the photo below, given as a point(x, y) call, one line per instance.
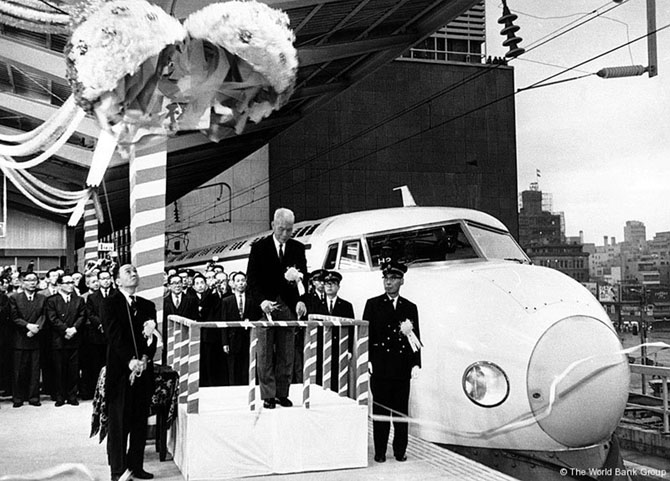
point(339, 42)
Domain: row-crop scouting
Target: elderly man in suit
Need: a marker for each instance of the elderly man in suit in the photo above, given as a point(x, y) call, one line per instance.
point(276, 276)
point(66, 314)
point(393, 359)
point(27, 315)
point(129, 322)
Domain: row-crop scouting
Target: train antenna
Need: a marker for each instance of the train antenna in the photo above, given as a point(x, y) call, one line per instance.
point(407, 198)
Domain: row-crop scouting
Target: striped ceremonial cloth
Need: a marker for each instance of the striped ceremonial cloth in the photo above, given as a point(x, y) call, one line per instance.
point(253, 347)
point(193, 354)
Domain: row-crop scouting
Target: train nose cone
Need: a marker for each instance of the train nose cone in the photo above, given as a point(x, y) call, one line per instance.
point(581, 357)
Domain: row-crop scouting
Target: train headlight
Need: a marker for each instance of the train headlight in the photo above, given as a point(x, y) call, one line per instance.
point(485, 384)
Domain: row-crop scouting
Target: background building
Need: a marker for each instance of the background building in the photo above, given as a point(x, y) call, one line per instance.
point(538, 225)
point(417, 121)
point(542, 235)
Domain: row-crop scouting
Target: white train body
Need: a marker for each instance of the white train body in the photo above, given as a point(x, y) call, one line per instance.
point(535, 350)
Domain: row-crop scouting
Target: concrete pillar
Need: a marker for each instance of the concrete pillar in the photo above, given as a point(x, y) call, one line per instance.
point(147, 171)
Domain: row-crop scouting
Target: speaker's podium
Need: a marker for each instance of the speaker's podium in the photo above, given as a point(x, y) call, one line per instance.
point(223, 432)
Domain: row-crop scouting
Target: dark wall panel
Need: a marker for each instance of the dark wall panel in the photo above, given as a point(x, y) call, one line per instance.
point(349, 155)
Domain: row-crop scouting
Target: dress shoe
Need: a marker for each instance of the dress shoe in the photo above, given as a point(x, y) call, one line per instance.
point(142, 474)
point(115, 477)
point(284, 402)
point(380, 458)
point(59, 403)
point(35, 403)
point(17, 404)
point(269, 404)
point(401, 458)
point(73, 402)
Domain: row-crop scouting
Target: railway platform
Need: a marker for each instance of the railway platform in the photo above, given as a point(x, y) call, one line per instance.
point(40, 438)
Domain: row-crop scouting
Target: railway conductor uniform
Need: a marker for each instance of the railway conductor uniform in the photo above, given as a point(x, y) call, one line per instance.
point(393, 360)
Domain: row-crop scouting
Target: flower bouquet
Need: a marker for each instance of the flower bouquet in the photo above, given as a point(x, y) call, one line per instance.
point(294, 275)
point(407, 329)
point(114, 59)
point(250, 63)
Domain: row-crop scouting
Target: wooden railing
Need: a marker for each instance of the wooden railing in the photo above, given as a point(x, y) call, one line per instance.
point(183, 355)
point(661, 376)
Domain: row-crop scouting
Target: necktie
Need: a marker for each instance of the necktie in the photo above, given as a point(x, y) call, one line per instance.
point(177, 301)
point(133, 304)
point(104, 293)
point(240, 305)
point(281, 252)
point(30, 298)
point(330, 306)
point(67, 299)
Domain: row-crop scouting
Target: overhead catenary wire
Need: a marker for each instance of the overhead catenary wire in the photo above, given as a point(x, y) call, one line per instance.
point(541, 83)
point(392, 117)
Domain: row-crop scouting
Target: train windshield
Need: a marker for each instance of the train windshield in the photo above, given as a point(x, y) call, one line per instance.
point(419, 245)
point(495, 244)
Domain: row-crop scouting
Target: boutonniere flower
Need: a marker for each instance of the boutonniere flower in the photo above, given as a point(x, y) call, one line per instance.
point(407, 329)
point(294, 275)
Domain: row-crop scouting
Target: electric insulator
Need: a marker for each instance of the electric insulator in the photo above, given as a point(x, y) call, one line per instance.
point(615, 72)
point(509, 30)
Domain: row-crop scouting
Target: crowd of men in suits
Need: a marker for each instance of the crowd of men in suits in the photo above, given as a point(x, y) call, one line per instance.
point(52, 337)
point(57, 334)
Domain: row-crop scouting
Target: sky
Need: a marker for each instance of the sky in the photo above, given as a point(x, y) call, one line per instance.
point(602, 146)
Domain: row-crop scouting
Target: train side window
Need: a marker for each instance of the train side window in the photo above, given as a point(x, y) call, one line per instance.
point(352, 256)
point(331, 257)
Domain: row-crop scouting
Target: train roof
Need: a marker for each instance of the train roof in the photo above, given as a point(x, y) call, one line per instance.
point(344, 225)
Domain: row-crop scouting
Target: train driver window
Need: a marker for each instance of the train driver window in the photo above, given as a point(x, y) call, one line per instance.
point(352, 255)
point(331, 257)
point(428, 244)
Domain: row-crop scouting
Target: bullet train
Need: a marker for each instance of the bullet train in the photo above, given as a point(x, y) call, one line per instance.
point(522, 368)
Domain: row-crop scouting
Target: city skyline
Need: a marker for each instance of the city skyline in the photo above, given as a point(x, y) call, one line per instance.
point(600, 144)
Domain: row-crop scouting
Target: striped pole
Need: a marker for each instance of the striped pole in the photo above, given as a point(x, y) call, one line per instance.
point(253, 347)
point(193, 350)
point(362, 364)
point(90, 232)
point(309, 366)
point(172, 327)
point(343, 363)
point(147, 171)
point(327, 356)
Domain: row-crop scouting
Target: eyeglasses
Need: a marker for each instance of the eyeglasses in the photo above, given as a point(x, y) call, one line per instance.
point(178, 283)
point(68, 282)
point(392, 278)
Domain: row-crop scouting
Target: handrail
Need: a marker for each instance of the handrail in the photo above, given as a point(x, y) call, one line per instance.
point(183, 354)
point(664, 374)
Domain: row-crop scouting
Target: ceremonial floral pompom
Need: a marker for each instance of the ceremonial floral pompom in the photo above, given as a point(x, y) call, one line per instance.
point(294, 275)
point(256, 33)
point(115, 41)
point(407, 329)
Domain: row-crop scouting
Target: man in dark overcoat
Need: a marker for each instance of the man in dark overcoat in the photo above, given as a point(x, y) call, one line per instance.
point(66, 314)
point(235, 340)
point(129, 322)
point(27, 315)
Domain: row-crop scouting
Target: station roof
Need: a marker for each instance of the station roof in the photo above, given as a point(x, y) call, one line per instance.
point(339, 43)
